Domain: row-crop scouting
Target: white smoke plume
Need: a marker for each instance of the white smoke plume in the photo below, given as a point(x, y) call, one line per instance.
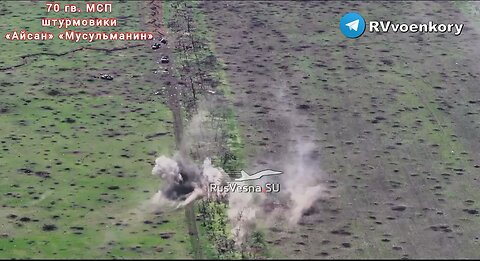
point(213, 175)
point(167, 169)
point(302, 181)
point(246, 211)
point(301, 186)
point(183, 182)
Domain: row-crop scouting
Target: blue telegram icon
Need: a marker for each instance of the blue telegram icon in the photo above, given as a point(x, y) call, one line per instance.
point(352, 25)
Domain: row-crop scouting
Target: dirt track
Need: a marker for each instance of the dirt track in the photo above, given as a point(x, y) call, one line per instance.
point(395, 118)
point(173, 101)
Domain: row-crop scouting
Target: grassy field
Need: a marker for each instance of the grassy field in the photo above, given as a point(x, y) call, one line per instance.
point(403, 117)
point(77, 151)
point(396, 118)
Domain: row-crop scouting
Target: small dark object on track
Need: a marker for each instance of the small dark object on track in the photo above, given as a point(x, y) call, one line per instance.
point(155, 46)
point(165, 59)
point(106, 77)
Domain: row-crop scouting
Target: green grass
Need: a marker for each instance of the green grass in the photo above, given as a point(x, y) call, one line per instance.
point(91, 138)
point(436, 129)
point(76, 155)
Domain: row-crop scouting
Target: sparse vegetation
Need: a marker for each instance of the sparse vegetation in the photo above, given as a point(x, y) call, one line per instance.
point(199, 69)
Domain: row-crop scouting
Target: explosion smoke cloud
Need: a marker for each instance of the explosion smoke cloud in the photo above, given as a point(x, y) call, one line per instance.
point(185, 182)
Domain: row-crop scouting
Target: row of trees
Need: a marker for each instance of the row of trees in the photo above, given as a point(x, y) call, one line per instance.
point(195, 59)
point(196, 67)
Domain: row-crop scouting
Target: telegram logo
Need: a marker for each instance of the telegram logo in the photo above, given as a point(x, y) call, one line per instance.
point(352, 25)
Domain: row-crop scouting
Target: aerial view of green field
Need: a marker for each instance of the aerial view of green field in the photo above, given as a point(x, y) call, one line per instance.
point(239, 129)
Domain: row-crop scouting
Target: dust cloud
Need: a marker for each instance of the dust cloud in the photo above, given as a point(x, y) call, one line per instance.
point(184, 182)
